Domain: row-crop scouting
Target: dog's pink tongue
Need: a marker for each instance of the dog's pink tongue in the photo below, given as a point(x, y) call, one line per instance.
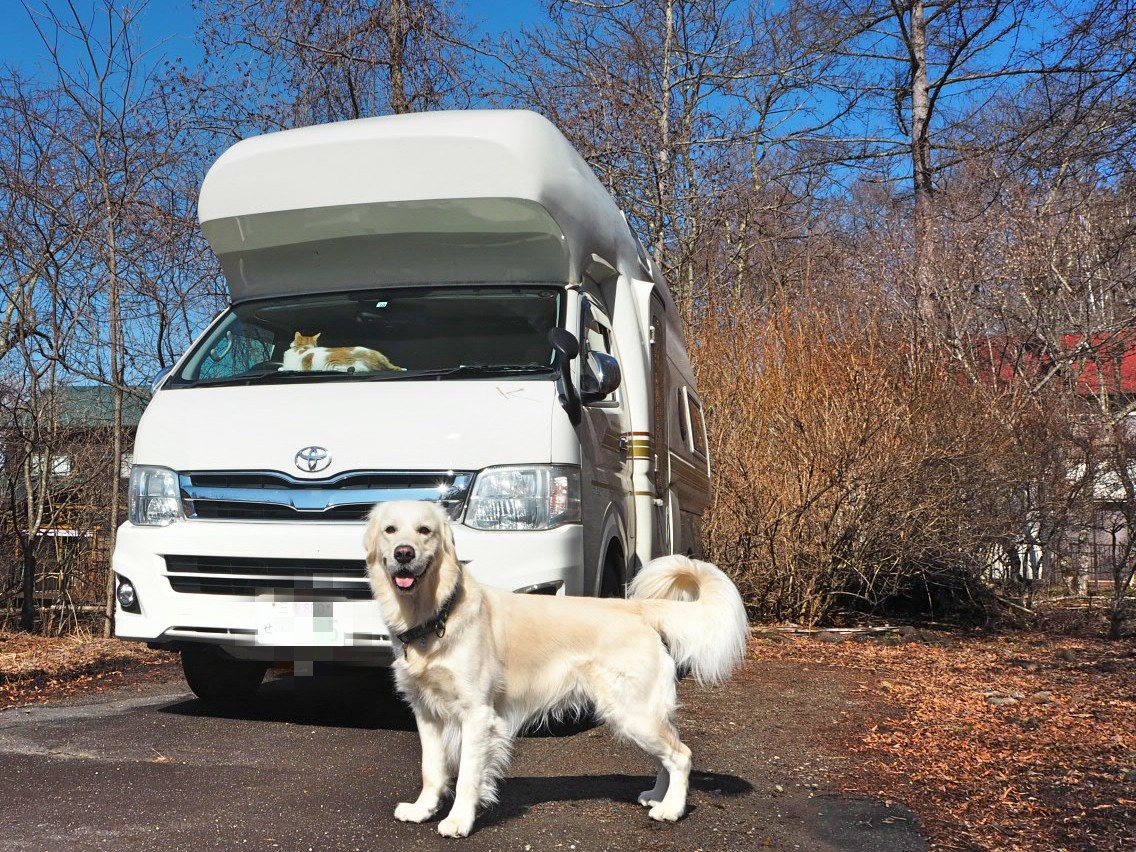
point(404, 582)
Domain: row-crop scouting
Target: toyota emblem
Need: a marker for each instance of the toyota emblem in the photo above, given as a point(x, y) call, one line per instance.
point(313, 459)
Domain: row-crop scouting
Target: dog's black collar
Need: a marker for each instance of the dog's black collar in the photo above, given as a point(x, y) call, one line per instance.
point(435, 625)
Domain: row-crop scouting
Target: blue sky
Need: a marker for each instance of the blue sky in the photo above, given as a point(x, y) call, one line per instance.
point(167, 27)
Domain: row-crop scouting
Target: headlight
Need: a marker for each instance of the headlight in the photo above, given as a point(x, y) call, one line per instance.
point(524, 498)
point(154, 497)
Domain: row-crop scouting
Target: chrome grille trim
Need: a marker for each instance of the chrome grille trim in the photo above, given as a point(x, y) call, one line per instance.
point(257, 495)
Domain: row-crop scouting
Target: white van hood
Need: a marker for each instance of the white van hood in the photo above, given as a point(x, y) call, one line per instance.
point(385, 425)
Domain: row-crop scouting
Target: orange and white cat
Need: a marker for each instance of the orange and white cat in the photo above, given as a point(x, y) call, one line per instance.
point(305, 353)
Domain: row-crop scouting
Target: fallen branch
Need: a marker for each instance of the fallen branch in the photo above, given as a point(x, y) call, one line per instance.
point(1013, 605)
point(843, 631)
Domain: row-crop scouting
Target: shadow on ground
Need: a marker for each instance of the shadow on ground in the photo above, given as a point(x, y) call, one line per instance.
point(365, 699)
point(519, 794)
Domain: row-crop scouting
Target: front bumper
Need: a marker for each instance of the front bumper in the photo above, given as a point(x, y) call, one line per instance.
point(352, 629)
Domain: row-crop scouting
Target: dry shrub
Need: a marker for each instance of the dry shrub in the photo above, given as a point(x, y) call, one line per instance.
point(849, 470)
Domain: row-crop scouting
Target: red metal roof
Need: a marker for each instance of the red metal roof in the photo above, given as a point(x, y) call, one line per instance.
point(1107, 360)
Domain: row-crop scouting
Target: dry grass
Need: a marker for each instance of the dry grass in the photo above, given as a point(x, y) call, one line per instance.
point(849, 468)
point(1053, 768)
point(39, 668)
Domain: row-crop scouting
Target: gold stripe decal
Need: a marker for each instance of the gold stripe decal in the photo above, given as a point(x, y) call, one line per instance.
point(639, 445)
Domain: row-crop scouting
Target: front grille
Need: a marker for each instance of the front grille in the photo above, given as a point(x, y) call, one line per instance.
point(348, 497)
point(317, 579)
point(237, 510)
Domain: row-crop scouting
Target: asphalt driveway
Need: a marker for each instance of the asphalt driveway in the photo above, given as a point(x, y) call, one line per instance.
point(319, 763)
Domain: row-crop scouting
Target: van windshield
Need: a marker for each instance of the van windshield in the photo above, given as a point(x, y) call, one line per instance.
point(383, 334)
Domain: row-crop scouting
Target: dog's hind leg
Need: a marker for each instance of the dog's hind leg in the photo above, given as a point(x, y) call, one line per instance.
point(655, 795)
point(435, 772)
point(660, 740)
point(638, 705)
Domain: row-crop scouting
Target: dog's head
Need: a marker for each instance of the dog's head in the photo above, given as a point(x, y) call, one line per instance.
point(405, 541)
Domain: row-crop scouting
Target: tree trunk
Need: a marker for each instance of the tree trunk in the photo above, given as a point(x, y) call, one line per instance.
point(28, 613)
point(396, 36)
point(1121, 610)
point(665, 188)
point(117, 377)
point(115, 499)
point(925, 291)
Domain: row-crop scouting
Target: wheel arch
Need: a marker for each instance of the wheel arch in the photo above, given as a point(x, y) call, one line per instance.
point(614, 553)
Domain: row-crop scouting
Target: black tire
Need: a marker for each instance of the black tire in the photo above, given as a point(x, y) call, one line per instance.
point(217, 678)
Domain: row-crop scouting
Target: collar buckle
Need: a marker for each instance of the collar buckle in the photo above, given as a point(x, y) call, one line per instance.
point(435, 625)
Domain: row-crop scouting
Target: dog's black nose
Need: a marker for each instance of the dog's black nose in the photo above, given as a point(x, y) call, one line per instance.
point(403, 553)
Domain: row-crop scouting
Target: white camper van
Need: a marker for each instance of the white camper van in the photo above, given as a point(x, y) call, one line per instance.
point(444, 306)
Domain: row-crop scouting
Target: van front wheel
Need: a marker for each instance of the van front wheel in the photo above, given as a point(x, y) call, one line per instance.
point(217, 678)
point(611, 583)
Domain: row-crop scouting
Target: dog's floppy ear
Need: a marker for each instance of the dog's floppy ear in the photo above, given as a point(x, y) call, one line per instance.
point(371, 536)
point(446, 545)
point(447, 537)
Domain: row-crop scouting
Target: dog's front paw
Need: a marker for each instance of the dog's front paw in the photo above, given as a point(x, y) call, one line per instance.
point(665, 813)
point(455, 826)
point(412, 812)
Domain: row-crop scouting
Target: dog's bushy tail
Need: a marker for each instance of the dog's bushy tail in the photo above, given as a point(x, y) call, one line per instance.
point(707, 631)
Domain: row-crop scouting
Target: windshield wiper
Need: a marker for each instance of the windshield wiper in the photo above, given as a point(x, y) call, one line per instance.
point(479, 370)
point(285, 376)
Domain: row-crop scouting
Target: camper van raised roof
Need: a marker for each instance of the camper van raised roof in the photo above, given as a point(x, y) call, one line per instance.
point(471, 196)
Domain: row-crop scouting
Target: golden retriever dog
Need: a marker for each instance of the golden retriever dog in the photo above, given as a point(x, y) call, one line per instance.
point(477, 664)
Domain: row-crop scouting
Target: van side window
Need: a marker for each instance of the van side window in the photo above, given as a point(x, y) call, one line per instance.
point(697, 425)
point(680, 410)
point(691, 422)
point(596, 337)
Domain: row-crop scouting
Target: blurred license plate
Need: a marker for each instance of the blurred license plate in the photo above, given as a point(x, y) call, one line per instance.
point(300, 623)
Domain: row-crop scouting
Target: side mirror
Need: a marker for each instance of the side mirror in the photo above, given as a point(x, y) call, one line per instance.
point(156, 382)
point(567, 347)
point(564, 342)
point(601, 377)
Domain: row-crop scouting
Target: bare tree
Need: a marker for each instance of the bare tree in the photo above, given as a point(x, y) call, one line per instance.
point(129, 148)
point(43, 225)
point(917, 77)
point(43, 228)
point(273, 65)
point(689, 112)
point(1076, 120)
point(29, 452)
